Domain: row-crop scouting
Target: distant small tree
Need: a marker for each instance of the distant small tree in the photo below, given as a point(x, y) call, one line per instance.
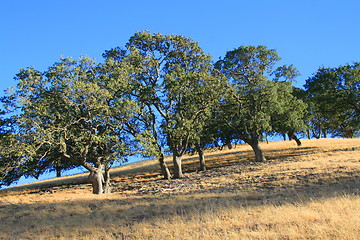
point(291, 119)
point(258, 92)
point(77, 112)
point(301, 94)
point(335, 97)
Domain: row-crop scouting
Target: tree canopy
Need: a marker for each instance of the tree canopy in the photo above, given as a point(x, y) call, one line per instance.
point(174, 79)
point(76, 111)
point(163, 94)
point(259, 94)
point(334, 94)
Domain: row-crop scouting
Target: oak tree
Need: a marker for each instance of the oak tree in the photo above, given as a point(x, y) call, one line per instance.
point(258, 93)
point(335, 97)
point(75, 110)
point(175, 81)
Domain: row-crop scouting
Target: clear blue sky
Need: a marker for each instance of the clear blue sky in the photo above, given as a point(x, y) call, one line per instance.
point(306, 33)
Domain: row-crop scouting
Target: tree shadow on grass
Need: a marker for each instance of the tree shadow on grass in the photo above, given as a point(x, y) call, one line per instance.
point(118, 213)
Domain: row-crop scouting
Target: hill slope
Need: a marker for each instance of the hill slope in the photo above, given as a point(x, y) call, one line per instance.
point(303, 192)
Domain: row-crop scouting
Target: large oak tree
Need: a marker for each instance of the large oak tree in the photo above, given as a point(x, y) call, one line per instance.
point(175, 81)
point(259, 92)
point(76, 111)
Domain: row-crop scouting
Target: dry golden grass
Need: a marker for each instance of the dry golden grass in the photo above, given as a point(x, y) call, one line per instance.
point(307, 192)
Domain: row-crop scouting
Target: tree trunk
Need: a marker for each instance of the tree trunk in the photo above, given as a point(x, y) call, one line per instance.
point(259, 154)
point(177, 166)
point(308, 134)
point(325, 133)
point(316, 134)
point(58, 171)
point(164, 168)
point(298, 142)
point(201, 158)
point(293, 136)
point(228, 144)
point(107, 184)
point(96, 179)
point(266, 138)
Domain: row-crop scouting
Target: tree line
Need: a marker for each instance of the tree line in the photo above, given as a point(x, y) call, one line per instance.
point(162, 94)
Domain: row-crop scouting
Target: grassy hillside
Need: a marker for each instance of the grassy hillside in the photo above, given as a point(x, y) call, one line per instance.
point(307, 192)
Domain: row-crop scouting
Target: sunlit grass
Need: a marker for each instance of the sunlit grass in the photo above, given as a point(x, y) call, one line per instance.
point(307, 192)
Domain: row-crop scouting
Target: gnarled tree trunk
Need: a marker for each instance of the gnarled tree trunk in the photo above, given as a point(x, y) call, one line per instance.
point(259, 154)
point(96, 177)
point(293, 136)
point(97, 181)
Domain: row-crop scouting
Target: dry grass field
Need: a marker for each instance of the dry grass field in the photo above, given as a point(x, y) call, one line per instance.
point(306, 192)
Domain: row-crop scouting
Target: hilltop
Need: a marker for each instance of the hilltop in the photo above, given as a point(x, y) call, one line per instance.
point(305, 192)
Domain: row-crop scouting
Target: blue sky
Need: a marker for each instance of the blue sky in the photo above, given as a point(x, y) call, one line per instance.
point(306, 33)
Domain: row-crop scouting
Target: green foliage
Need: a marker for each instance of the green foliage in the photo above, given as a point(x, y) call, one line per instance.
point(73, 112)
point(292, 112)
point(259, 94)
point(163, 93)
point(334, 97)
point(10, 152)
point(254, 99)
point(174, 83)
